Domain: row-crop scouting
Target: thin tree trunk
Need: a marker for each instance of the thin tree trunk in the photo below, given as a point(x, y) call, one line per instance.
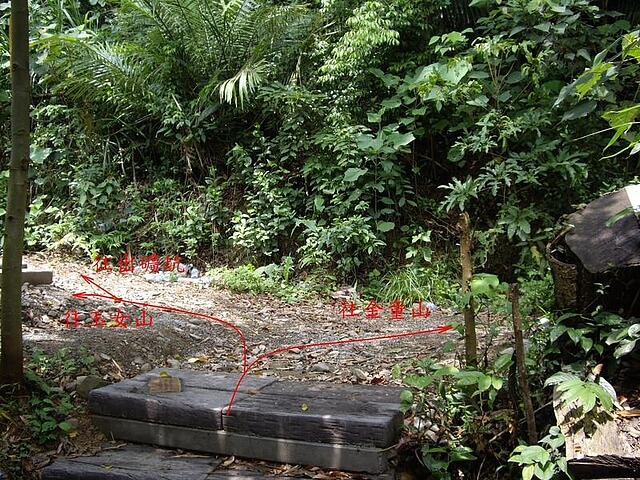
point(11, 354)
point(514, 296)
point(470, 340)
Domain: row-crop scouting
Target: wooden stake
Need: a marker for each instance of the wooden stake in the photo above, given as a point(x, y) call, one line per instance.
point(514, 296)
point(470, 339)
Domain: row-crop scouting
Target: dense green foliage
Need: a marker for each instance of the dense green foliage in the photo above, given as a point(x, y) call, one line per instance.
point(335, 134)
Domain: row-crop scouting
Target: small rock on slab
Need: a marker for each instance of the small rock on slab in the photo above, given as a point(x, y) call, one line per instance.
point(321, 367)
point(88, 383)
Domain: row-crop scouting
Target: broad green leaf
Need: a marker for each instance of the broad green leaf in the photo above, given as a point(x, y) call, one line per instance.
point(401, 139)
point(366, 142)
point(607, 387)
point(588, 401)
point(66, 426)
point(497, 382)
point(528, 471)
point(374, 117)
point(582, 110)
point(621, 121)
point(505, 96)
point(39, 155)
point(529, 455)
point(391, 102)
point(544, 472)
point(625, 348)
point(484, 383)
point(484, 283)
point(406, 396)
point(479, 101)
point(462, 454)
point(574, 335)
point(446, 370)
point(586, 343)
point(544, 27)
point(385, 226)
point(503, 361)
point(559, 377)
point(562, 465)
point(514, 77)
point(353, 174)
point(630, 45)
point(456, 72)
point(605, 397)
point(587, 81)
point(418, 381)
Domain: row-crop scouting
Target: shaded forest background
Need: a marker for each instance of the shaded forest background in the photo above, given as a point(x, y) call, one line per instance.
point(334, 136)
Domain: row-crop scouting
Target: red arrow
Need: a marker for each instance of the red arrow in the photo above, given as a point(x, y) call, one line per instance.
point(164, 308)
point(440, 329)
point(246, 368)
point(91, 281)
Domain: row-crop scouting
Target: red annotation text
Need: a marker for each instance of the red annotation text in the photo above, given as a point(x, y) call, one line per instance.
point(117, 319)
point(153, 263)
point(373, 309)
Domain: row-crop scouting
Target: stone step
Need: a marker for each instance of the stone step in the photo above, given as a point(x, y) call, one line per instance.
point(142, 462)
point(34, 276)
point(343, 427)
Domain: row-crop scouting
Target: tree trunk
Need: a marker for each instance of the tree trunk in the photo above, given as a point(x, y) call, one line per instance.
point(11, 355)
point(470, 340)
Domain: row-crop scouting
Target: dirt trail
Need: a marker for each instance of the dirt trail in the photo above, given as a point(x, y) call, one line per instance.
point(194, 342)
point(55, 319)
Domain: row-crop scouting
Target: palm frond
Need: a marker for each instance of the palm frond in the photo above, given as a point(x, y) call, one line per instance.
point(238, 88)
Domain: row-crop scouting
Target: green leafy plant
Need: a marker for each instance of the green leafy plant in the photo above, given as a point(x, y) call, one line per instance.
point(543, 461)
point(625, 338)
point(588, 393)
point(37, 416)
point(458, 402)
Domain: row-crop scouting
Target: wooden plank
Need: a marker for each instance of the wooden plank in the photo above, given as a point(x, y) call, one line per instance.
point(293, 411)
point(132, 462)
point(198, 405)
point(340, 457)
point(605, 466)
